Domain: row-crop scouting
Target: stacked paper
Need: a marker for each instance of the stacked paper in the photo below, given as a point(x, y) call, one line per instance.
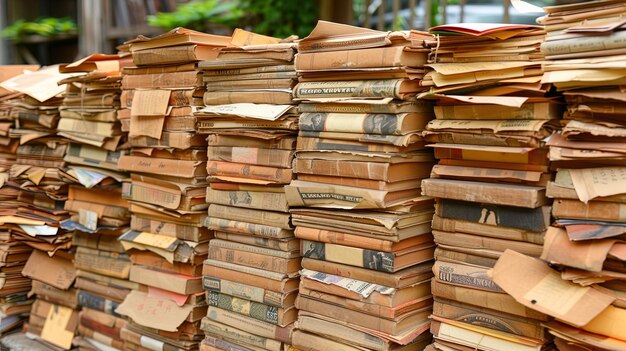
point(99, 215)
point(43, 182)
point(14, 303)
point(364, 228)
point(585, 242)
point(167, 161)
point(251, 274)
point(491, 121)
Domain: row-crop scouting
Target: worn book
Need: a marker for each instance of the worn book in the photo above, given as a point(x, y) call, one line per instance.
point(249, 292)
point(377, 260)
point(271, 314)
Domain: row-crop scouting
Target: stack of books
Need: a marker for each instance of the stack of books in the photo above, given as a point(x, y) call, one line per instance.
point(99, 214)
point(14, 287)
point(251, 274)
point(167, 161)
point(364, 228)
point(43, 182)
point(585, 53)
point(491, 121)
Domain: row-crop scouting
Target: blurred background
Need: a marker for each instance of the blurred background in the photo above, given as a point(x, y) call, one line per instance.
point(54, 31)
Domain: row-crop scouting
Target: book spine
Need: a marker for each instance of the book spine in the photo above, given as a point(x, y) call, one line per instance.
point(180, 124)
point(243, 291)
point(251, 70)
point(282, 245)
point(274, 264)
point(274, 219)
point(319, 144)
point(465, 275)
point(250, 325)
point(480, 111)
point(251, 248)
point(339, 238)
point(98, 303)
point(485, 299)
point(490, 193)
point(584, 44)
point(598, 211)
point(114, 342)
point(270, 174)
point(110, 266)
point(367, 58)
point(161, 166)
point(252, 309)
point(303, 341)
point(175, 140)
point(179, 97)
point(239, 336)
point(249, 199)
point(169, 55)
point(387, 124)
point(263, 97)
point(254, 156)
point(95, 326)
point(376, 260)
point(167, 80)
point(238, 227)
point(358, 88)
point(265, 83)
point(286, 143)
point(455, 256)
point(251, 276)
point(367, 170)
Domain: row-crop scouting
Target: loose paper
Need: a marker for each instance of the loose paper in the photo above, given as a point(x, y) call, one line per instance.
point(590, 183)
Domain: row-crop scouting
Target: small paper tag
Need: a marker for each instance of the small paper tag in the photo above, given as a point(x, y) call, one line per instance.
point(88, 218)
point(55, 329)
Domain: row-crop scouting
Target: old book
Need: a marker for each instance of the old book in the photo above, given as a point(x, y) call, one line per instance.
point(403, 278)
point(328, 144)
point(395, 326)
point(177, 283)
point(378, 123)
point(245, 228)
point(491, 175)
point(393, 88)
point(283, 143)
point(253, 276)
point(466, 335)
point(312, 342)
point(497, 194)
point(175, 140)
point(174, 54)
point(209, 76)
point(377, 260)
point(248, 70)
point(475, 242)
point(271, 314)
point(168, 195)
point(593, 210)
point(162, 81)
point(111, 291)
point(97, 242)
point(102, 262)
point(108, 281)
point(174, 168)
point(515, 155)
point(51, 294)
point(178, 97)
point(270, 218)
point(260, 200)
point(300, 193)
point(533, 219)
point(538, 110)
point(362, 183)
point(239, 85)
point(493, 319)
point(246, 173)
point(461, 226)
point(367, 170)
point(250, 325)
point(355, 240)
point(262, 157)
point(239, 336)
point(349, 59)
point(457, 255)
point(257, 260)
point(249, 292)
point(485, 299)
point(465, 275)
point(98, 302)
point(287, 245)
point(277, 97)
point(254, 249)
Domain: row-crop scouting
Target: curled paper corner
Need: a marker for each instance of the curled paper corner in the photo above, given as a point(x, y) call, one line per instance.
point(526, 7)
